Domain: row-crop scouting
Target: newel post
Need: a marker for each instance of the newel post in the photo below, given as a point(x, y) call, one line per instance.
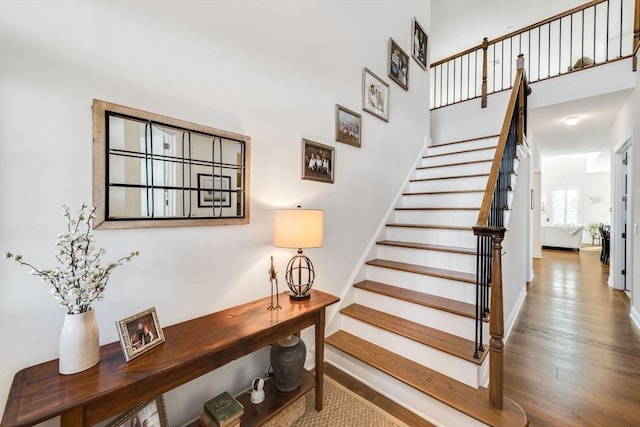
point(485, 47)
point(496, 322)
point(521, 95)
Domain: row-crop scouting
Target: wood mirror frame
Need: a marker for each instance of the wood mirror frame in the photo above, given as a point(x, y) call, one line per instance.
point(155, 171)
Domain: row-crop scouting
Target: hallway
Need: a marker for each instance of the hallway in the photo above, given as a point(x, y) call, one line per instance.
point(573, 357)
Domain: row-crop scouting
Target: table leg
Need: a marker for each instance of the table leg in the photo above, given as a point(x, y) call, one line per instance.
point(320, 359)
point(71, 418)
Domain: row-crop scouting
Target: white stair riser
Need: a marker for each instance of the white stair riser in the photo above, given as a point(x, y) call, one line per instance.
point(470, 183)
point(459, 157)
point(437, 259)
point(447, 200)
point(434, 236)
point(425, 406)
point(453, 170)
point(452, 366)
point(448, 322)
point(462, 146)
point(437, 217)
point(438, 286)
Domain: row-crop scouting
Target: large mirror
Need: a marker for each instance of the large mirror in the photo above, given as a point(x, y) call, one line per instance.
point(155, 171)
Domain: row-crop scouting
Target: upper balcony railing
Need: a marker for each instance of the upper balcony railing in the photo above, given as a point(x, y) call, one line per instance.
point(595, 33)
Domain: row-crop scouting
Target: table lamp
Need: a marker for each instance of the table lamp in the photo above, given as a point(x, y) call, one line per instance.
point(299, 229)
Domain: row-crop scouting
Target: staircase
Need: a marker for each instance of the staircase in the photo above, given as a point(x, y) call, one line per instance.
point(411, 327)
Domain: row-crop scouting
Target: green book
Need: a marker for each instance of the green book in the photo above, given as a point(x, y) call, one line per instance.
point(223, 408)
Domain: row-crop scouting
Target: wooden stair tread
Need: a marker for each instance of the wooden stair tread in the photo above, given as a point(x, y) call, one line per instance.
point(428, 193)
point(443, 341)
point(468, 400)
point(428, 247)
point(470, 162)
point(427, 271)
point(473, 175)
point(452, 153)
point(420, 298)
point(465, 140)
point(431, 226)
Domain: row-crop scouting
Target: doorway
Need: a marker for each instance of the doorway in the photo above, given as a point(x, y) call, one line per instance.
point(621, 242)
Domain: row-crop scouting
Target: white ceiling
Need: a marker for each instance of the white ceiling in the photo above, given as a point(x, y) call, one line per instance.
point(457, 25)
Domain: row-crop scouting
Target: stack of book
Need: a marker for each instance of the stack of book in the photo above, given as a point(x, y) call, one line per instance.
point(222, 411)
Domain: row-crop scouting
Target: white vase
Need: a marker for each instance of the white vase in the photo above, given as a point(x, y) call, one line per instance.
point(79, 347)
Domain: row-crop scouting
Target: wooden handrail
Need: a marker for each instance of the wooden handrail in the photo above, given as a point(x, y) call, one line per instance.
point(636, 35)
point(520, 31)
point(483, 215)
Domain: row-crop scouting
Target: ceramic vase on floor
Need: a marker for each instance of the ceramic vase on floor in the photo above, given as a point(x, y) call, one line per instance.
point(287, 362)
point(79, 347)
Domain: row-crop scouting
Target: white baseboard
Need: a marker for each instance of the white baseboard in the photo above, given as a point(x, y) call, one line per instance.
point(514, 313)
point(635, 316)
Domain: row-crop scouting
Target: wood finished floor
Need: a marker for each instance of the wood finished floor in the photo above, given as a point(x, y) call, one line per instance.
point(573, 357)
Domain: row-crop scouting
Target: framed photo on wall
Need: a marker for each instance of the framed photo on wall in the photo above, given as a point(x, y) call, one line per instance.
point(419, 44)
point(140, 333)
point(348, 126)
point(375, 95)
point(214, 190)
point(318, 161)
point(153, 412)
point(398, 68)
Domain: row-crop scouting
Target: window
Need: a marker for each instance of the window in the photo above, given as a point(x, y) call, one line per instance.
point(565, 206)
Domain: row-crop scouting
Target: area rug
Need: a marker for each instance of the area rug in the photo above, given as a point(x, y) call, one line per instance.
point(345, 409)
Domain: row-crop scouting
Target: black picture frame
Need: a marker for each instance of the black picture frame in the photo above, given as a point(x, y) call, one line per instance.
point(214, 190)
point(419, 44)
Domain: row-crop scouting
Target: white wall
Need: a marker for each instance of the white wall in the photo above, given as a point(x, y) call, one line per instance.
point(571, 171)
point(270, 70)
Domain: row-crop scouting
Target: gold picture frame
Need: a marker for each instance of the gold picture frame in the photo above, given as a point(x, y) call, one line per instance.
point(348, 126)
point(318, 161)
point(153, 412)
point(140, 333)
point(398, 68)
point(375, 95)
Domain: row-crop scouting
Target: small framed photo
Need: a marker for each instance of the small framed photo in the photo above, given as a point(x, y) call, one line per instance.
point(348, 126)
point(152, 413)
point(419, 44)
point(318, 161)
point(398, 65)
point(140, 333)
point(213, 190)
point(375, 95)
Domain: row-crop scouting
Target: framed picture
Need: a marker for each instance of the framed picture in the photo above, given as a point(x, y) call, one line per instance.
point(318, 161)
point(214, 190)
point(140, 333)
point(153, 413)
point(348, 126)
point(398, 65)
point(419, 44)
point(375, 95)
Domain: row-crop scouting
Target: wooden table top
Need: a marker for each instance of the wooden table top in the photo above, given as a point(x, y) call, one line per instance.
point(191, 349)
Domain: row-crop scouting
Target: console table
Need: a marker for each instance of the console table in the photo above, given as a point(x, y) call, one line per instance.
point(191, 349)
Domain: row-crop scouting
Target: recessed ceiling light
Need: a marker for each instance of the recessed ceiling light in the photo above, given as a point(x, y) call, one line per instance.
point(570, 121)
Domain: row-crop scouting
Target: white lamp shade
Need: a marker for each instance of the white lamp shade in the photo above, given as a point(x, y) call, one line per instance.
point(298, 228)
